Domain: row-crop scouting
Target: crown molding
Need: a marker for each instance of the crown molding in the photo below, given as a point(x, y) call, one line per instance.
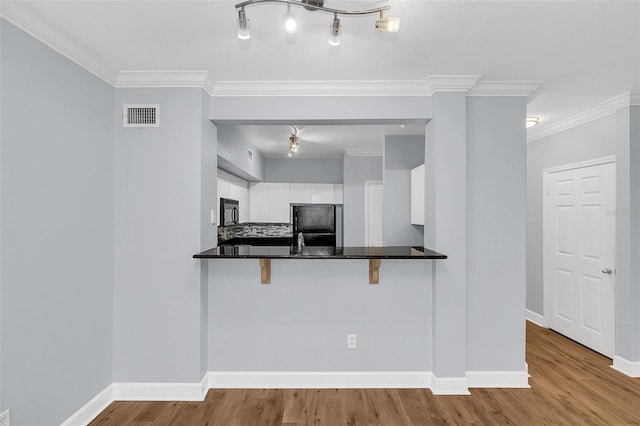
point(506, 88)
point(28, 20)
point(165, 79)
point(605, 108)
point(363, 152)
point(320, 88)
point(450, 83)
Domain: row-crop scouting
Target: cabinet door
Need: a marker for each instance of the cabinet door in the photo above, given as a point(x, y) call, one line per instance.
point(417, 195)
point(279, 202)
point(300, 193)
point(259, 202)
point(322, 193)
point(338, 193)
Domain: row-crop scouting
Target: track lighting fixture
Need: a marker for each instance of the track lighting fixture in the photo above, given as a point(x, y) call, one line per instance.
point(293, 142)
point(386, 24)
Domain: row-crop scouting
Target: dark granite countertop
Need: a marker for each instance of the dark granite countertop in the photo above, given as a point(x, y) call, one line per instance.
point(240, 251)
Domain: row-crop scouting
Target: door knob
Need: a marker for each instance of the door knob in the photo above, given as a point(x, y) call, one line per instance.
point(607, 271)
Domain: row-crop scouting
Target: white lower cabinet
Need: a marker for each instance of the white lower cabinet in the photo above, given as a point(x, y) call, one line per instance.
point(417, 195)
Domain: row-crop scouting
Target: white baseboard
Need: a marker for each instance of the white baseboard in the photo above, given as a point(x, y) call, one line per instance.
point(535, 318)
point(318, 379)
point(449, 386)
point(91, 409)
point(630, 368)
point(158, 391)
point(300, 380)
point(498, 379)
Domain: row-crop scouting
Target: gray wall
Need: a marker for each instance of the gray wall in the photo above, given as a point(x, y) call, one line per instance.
point(57, 232)
point(300, 322)
point(208, 231)
point(618, 135)
point(159, 209)
point(401, 154)
point(628, 233)
point(233, 154)
point(303, 170)
point(633, 314)
point(496, 233)
point(356, 171)
point(592, 140)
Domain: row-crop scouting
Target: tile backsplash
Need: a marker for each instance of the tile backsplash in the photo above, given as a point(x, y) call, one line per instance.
point(255, 230)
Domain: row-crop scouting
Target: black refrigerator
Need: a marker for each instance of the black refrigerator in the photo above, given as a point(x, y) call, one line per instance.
point(316, 222)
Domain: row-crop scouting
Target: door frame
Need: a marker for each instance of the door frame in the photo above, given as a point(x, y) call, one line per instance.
point(367, 183)
point(546, 176)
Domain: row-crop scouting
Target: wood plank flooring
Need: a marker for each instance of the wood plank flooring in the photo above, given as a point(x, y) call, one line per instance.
point(570, 384)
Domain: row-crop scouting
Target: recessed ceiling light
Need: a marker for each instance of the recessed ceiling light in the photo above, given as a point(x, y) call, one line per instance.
point(532, 121)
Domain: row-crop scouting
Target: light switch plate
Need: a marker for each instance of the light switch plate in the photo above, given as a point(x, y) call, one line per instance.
point(213, 217)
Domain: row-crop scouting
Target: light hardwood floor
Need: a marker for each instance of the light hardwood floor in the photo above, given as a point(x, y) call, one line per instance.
point(570, 384)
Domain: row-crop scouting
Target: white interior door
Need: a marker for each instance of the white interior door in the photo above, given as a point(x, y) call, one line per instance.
point(373, 214)
point(580, 244)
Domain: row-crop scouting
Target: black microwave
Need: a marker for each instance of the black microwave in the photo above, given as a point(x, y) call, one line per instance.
point(229, 212)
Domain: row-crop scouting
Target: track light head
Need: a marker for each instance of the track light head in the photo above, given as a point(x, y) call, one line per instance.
point(388, 25)
point(290, 24)
point(334, 36)
point(243, 25)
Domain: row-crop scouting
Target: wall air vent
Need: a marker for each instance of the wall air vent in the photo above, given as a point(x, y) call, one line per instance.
point(138, 115)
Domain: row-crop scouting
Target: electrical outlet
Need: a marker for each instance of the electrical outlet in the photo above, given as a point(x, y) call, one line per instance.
point(213, 217)
point(351, 341)
point(5, 419)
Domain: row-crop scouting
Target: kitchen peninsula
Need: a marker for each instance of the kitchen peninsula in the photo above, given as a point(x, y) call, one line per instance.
point(266, 252)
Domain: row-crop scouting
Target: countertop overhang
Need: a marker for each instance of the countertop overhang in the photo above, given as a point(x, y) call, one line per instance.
point(317, 252)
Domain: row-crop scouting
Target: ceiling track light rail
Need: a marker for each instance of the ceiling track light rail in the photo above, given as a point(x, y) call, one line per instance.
point(385, 24)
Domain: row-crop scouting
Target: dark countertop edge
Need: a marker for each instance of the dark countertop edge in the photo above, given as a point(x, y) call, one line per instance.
point(431, 256)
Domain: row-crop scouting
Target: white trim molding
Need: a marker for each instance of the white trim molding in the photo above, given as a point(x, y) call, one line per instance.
point(505, 88)
point(357, 152)
point(498, 379)
point(630, 368)
point(165, 79)
point(91, 409)
point(318, 379)
point(449, 385)
point(158, 391)
point(23, 16)
point(604, 109)
point(321, 88)
point(451, 83)
point(535, 318)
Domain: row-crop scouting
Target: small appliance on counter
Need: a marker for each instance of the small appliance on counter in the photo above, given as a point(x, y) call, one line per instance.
point(229, 212)
point(316, 223)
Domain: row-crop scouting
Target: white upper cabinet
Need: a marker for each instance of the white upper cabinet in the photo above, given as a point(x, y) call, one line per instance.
point(299, 193)
point(417, 195)
point(322, 193)
point(338, 193)
point(259, 202)
point(269, 202)
point(278, 202)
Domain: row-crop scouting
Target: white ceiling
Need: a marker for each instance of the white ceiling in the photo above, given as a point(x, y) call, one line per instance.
point(585, 52)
